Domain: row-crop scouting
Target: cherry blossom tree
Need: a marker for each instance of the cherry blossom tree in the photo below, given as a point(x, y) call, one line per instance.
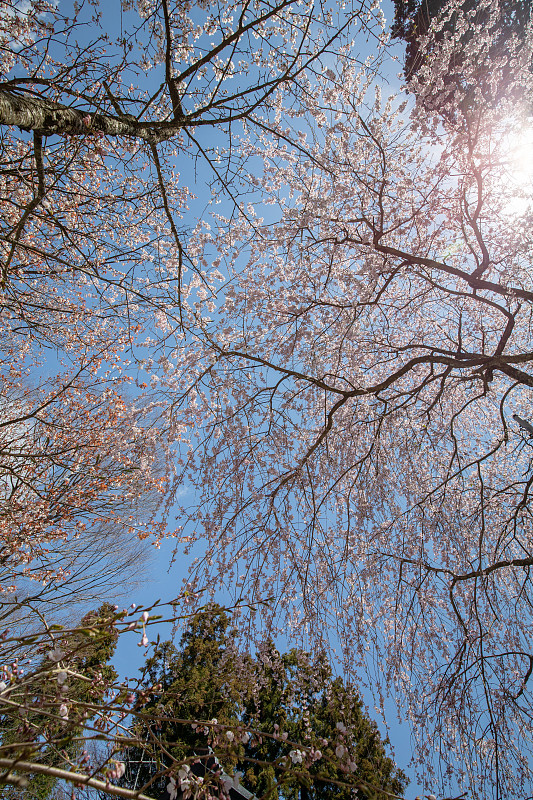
point(412, 21)
point(81, 486)
point(96, 274)
point(95, 128)
point(97, 114)
point(356, 450)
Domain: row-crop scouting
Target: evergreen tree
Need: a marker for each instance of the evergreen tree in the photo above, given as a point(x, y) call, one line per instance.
point(299, 696)
point(260, 711)
point(196, 682)
point(87, 653)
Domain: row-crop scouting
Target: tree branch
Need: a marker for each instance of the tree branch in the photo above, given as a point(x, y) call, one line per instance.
point(64, 775)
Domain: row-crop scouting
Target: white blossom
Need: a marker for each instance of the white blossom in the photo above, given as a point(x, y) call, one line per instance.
point(172, 788)
point(56, 654)
point(341, 727)
point(296, 756)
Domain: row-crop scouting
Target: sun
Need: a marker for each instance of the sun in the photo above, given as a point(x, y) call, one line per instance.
point(516, 175)
point(521, 155)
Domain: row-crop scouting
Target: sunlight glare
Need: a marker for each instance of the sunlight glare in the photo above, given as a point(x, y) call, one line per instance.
point(518, 169)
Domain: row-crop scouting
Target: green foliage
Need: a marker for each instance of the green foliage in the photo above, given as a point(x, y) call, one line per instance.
point(197, 682)
point(300, 697)
point(86, 653)
point(274, 704)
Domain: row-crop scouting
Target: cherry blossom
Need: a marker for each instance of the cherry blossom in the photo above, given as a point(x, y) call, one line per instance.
point(172, 788)
point(296, 756)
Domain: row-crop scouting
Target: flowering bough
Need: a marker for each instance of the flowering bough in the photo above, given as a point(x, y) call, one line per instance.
point(349, 418)
point(94, 268)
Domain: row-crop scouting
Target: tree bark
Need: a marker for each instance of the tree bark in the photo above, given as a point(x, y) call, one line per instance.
point(45, 117)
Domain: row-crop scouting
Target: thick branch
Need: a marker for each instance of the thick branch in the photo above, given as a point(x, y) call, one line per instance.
point(472, 280)
point(45, 117)
point(72, 777)
point(478, 573)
